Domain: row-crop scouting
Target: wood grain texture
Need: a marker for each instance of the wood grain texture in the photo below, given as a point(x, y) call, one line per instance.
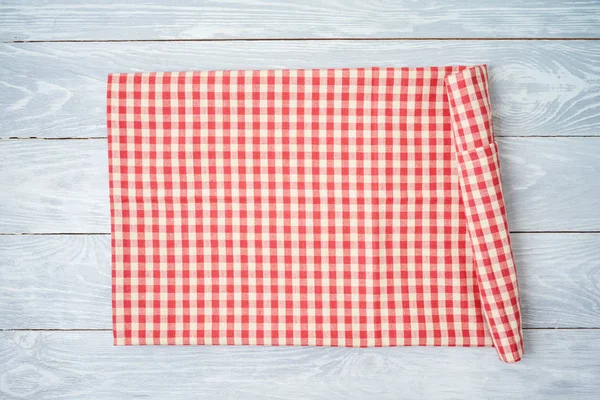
point(76, 365)
point(63, 282)
point(61, 186)
point(212, 19)
point(559, 279)
point(55, 282)
point(54, 186)
point(58, 90)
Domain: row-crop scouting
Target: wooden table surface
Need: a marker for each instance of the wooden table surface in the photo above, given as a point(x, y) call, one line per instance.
point(55, 305)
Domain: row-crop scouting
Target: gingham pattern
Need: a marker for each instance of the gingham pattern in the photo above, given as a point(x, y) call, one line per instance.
point(481, 189)
point(340, 207)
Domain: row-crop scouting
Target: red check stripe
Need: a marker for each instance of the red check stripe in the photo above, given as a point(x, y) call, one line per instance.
point(340, 207)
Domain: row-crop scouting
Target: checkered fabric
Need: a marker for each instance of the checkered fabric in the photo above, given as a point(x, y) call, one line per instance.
point(334, 207)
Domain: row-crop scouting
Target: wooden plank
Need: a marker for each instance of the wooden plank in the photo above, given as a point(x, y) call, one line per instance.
point(55, 282)
point(558, 279)
point(61, 186)
point(75, 365)
point(57, 90)
point(63, 281)
point(54, 186)
point(114, 20)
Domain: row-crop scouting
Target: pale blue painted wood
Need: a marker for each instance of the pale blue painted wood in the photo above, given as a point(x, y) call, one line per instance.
point(61, 186)
point(56, 90)
point(235, 19)
point(63, 281)
point(561, 364)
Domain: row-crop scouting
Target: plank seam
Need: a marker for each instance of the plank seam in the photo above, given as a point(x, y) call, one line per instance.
point(108, 233)
point(110, 330)
point(104, 137)
point(300, 39)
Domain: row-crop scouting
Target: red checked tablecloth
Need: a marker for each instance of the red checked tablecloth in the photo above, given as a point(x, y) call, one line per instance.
point(334, 207)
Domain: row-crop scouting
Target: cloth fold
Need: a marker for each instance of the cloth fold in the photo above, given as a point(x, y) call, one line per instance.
point(335, 207)
point(481, 189)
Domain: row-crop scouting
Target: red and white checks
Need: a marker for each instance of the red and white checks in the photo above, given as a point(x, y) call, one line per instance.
point(338, 207)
